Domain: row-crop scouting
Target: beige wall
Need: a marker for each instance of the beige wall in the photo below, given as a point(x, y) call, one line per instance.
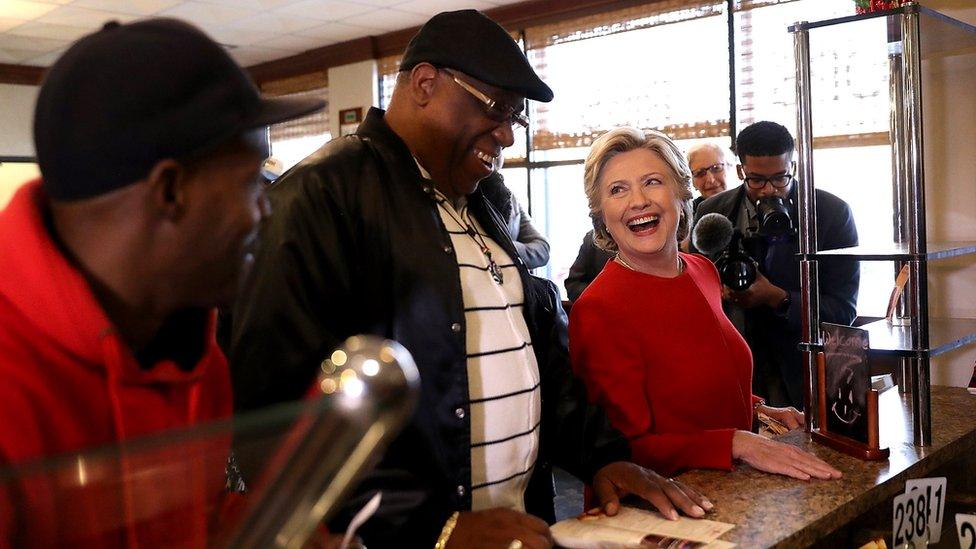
point(963, 10)
point(16, 116)
point(949, 119)
point(351, 86)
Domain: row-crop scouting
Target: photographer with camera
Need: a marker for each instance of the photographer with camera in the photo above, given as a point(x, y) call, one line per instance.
point(758, 263)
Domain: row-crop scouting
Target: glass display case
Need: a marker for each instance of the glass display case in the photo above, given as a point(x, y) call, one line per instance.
point(931, 129)
point(263, 479)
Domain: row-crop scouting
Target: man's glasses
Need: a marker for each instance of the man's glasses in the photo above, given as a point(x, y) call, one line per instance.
point(778, 181)
point(714, 169)
point(495, 111)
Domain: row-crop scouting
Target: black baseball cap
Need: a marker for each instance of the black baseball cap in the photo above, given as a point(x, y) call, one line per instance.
point(123, 98)
point(468, 41)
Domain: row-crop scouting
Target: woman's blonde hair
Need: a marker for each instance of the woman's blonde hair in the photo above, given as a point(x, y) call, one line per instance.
point(626, 139)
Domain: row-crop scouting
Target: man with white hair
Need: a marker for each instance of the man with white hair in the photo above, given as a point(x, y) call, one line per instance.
point(708, 163)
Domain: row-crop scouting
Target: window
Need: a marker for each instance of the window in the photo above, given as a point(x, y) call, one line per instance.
point(634, 78)
point(294, 140)
point(613, 69)
point(849, 71)
point(387, 69)
point(665, 66)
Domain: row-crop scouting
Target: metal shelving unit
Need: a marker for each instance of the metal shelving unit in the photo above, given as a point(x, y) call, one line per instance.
point(899, 252)
point(914, 33)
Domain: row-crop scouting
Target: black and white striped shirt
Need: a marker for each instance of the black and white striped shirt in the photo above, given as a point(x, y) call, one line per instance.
point(503, 377)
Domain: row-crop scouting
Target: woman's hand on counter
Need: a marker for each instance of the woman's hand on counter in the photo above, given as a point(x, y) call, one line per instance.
point(790, 417)
point(776, 457)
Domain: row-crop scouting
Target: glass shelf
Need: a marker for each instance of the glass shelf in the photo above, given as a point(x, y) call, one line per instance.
point(940, 35)
point(898, 252)
point(945, 334)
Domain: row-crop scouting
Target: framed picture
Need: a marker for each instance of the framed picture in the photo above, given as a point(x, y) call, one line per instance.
point(349, 120)
point(847, 380)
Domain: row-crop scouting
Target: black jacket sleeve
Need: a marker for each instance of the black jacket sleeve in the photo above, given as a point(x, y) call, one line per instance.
point(280, 333)
point(577, 435)
point(589, 262)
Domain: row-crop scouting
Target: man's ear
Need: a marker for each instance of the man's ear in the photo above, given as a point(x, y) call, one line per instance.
point(740, 172)
point(167, 188)
point(423, 80)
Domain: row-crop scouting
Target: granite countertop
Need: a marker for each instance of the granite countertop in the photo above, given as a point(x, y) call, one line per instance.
point(771, 510)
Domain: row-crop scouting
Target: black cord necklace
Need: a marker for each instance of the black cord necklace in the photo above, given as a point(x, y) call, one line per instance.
point(493, 268)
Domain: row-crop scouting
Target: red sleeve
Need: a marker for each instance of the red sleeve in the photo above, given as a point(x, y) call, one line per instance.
point(608, 359)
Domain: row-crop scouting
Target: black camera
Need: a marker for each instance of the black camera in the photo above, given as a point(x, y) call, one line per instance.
point(736, 268)
point(774, 216)
point(723, 244)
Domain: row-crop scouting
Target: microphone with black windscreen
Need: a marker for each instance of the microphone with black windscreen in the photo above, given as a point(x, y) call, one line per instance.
point(715, 237)
point(713, 234)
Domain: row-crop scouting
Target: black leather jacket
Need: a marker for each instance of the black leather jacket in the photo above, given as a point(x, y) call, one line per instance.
point(356, 245)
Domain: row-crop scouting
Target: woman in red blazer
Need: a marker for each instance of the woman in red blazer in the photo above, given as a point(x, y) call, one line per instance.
point(649, 336)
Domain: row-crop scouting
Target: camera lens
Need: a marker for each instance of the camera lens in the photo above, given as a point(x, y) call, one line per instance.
point(774, 216)
point(736, 270)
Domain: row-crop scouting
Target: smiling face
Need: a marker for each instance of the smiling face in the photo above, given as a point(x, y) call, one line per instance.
point(472, 136)
point(640, 207)
point(708, 170)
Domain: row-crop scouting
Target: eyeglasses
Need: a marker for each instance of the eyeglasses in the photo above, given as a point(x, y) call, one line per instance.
point(714, 169)
point(493, 109)
point(778, 181)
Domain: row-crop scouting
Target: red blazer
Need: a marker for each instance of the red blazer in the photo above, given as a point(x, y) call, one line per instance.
point(665, 362)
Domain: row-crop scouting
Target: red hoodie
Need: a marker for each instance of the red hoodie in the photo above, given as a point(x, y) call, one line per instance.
point(68, 379)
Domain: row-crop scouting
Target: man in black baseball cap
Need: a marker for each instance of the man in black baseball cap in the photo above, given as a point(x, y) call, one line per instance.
point(150, 140)
point(386, 231)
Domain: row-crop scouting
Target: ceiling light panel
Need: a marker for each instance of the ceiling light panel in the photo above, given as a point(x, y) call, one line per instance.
point(209, 15)
point(387, 20)
point(336, 32)
point(129, 7)
point(431, 7)
point(325, 10)
point(24, 10)
point(82, 17)
point(36, 29)
point(275, 23)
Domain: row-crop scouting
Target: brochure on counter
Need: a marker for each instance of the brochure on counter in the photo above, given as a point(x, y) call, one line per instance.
point(633, 528)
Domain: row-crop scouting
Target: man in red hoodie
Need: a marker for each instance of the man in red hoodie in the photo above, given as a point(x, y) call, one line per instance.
point(150, 140)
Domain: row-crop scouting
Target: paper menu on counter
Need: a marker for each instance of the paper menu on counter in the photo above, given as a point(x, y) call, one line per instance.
point(630, 527)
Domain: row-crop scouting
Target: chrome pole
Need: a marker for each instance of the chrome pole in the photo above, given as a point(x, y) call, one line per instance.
point(807, 206)
point(915, 229)
point(899, 186)
point(368, 389)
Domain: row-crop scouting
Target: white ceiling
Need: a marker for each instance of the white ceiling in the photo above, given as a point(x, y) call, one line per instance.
point(35, 32)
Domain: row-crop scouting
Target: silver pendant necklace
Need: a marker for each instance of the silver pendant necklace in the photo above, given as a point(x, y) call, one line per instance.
point(493, 269)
